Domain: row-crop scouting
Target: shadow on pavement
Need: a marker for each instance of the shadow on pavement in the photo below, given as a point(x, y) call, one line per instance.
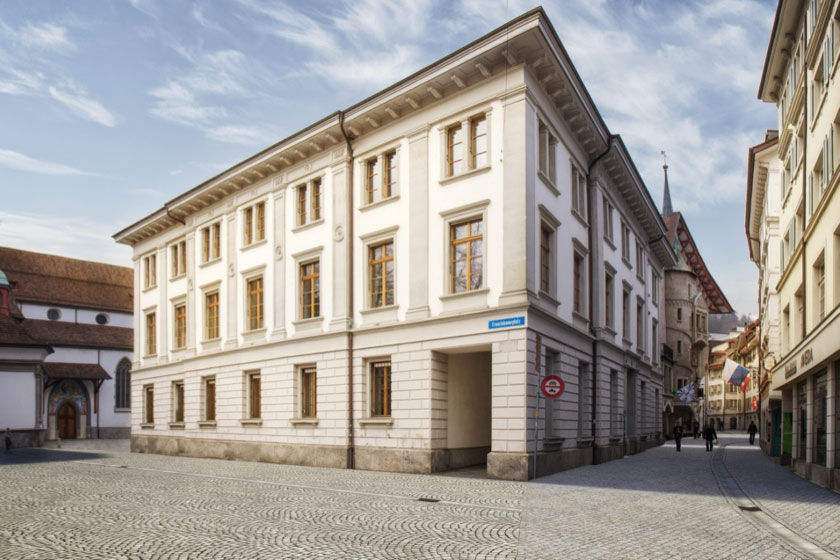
point(689, 472)
point(34, 455)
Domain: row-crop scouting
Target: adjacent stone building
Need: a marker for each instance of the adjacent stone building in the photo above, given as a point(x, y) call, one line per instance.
point(65, 348)
point(800, 77)
point(387, 288)
point(691, 294)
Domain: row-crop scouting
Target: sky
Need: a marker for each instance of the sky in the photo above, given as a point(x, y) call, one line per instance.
point(110, 108)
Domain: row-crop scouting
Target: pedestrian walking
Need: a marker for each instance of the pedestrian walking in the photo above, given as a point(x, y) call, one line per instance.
point(8, 435)
point(696, 429)
point(752, 430)
point(710, 435)
point(678, 434)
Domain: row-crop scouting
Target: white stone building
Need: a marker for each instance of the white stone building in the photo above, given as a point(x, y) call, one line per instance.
point(386, 288)
point(800, 78)
point(65, 348)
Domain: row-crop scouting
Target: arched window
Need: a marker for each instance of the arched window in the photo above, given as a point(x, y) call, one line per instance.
point(122, 394)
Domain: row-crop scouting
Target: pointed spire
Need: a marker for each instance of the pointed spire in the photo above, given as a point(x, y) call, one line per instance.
point(667, 209)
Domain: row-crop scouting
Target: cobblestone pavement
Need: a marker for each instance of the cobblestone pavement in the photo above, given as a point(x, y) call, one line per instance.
point(74, 503)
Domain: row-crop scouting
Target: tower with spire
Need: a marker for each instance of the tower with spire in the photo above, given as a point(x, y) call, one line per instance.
point(667, 209)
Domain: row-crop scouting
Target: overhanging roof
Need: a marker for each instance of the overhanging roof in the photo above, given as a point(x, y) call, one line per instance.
point(64, 370)
point(785, 23)
point(756, 191)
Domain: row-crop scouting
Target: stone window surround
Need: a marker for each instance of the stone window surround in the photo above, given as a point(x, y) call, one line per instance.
point(301, 258)
point(205, 290)
point(550, 221)
point(378, 153)
point(247, 275)
point(253, 204)
point(174, 302)
point(369, 419)
point(579, 249)
point(308, 182)
point(464, 118)
point(449, 217)
point(371, 240)
point(151, 310)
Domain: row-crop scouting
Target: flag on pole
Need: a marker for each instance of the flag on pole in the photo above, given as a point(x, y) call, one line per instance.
point(736, 374)
point(686, 393)
point(754, 403)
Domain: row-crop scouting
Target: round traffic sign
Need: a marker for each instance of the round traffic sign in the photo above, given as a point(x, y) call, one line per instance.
point(552, 386)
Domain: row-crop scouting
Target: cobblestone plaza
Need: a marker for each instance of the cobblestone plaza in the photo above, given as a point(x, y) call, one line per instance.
point(659, 504)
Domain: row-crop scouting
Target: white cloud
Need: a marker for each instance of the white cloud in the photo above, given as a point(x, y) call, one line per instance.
point(239, 134)
point(21, 162)
point(69, 236)
point(176, 171)
point(45, 36)
point(198, 15)
point(85, 107)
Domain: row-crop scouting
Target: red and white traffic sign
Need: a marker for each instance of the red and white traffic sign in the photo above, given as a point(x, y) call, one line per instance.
point(552, 387)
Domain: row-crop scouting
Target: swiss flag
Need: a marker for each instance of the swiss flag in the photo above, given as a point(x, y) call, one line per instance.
point(754, 403)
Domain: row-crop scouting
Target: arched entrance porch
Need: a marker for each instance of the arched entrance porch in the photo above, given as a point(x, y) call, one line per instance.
point(68, 408)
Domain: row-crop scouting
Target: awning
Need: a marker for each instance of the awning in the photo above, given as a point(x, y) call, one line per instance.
point(59, 370)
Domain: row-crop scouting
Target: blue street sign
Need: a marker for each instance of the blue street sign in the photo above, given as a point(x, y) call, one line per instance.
point(505, 323)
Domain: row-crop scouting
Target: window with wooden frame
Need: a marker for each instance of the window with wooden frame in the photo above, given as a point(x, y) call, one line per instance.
point(547, 153)
point(579, 293)
point(178, 254)
point(254, 395)
point(150, 271)
point(640, 325)
point(310, 290)
point(317, 194)
point(625, 243)
point(151, 334)
point(211, 315)
point(466, 269)
point(180, 315)
point(640, 261)
point(255, 303)
point(654, 288)
point(210, 398)
point(149, 404)
point(389, 179)
point(211, 241)
point(609, 299)
point(546, 234)
point(253, 223)
point(380, 388)
point(454, 150)
point(625, 314)
point(308, 392)
point(478, 142)
point(372, 180)
point(608, 220)
point(301, 204)
point(178, 401)
point(381, 274)
point(578, 192)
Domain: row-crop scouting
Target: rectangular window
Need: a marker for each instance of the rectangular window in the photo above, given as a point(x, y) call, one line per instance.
point(389, 183)
point(545, 258)
point(478, 142)
point(151, 334)
point(180, 325)
point(583, 373)
point(466, 269)
point(654, 340)
point(253, 223)
point(625, 314)
point(820, 288)
point(308, 392)
point(149, 404)
point(301, 205)
point(211, 315)
point(310, 290)
point(625, 243)
point(608, 220)
point(254, 395)
point(255, 303)
point(548, 153)
point(380, 389)
point(210, 398)
point(150, 271)
point(578, 192)
point(316, 199)
point(381, 274)
point(609, 299)
point(454, 150)
point(178, 401)
point(372, 180)
point(679, 314)
point(654, 288)
point(211, 242)
point(577, 270)
point(640, 325)
point(640, 262)
point(178, 253)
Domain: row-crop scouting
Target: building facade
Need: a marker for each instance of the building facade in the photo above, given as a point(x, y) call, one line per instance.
point(691, 294)
point(65, 348)
point(387, 288)
point(799, 76)
point(764, 239)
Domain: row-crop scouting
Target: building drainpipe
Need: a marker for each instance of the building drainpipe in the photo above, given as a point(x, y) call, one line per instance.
point(804, 168)
point(351, 436)
point(592, 236)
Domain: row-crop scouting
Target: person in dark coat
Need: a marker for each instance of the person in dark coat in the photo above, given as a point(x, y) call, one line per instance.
point(710, 435)
point(752, 430)
point(696, 429)
point(8, 435)
point(678, 434)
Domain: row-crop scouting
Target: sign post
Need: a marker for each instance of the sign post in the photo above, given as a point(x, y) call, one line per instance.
point(551, 388)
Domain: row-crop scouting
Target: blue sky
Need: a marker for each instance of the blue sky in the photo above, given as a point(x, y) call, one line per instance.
point(109, 108)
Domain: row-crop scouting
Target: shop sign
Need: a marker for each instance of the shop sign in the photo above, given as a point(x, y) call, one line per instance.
point(790, 369)
point(807, 357)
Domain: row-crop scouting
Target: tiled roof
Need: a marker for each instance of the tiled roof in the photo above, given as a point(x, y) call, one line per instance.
point(62, 333)
point(60, 370)
point(50, 279)
point(13, 332)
